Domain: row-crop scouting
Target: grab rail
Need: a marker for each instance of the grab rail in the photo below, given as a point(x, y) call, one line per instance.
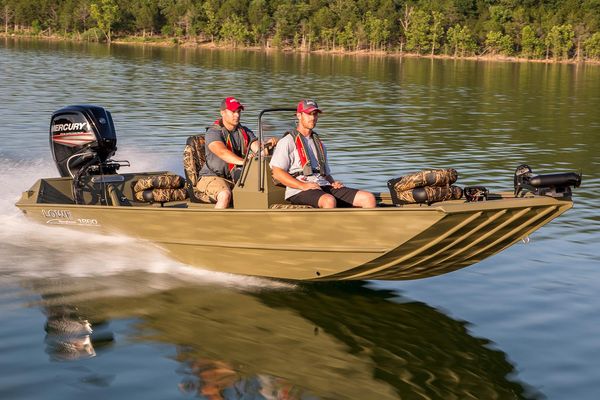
point(262, 168)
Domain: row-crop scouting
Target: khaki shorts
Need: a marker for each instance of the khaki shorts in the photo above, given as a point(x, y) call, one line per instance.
point(211, 186)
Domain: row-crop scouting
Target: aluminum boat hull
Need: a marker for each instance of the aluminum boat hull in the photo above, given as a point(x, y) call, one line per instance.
point(388, 243)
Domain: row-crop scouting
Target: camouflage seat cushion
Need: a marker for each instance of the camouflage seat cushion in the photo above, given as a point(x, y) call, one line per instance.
point(194, 158)
point(288, 206)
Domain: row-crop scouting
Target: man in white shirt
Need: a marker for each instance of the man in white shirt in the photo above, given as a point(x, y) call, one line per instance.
point(300, 163)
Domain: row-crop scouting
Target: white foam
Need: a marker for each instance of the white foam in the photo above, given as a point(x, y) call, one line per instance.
point(32, 250)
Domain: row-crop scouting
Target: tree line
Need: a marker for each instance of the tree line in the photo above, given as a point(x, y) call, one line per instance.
point(540, 29)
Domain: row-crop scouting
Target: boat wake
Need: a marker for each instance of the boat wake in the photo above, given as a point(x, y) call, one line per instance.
point(31, 250)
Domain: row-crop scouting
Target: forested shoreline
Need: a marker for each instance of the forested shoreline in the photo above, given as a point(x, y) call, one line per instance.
point(538, 30)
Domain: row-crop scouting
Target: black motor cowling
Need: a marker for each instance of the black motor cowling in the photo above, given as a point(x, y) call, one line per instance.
point(82, 136)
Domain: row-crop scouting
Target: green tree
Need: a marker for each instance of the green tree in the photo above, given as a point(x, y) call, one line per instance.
point(260, 21)
point(360, 34)
point(417, 34)
point(405, 20)
point(560, 41)
point(229, 8)
point(531, 45)
point(210, 26)
point(582, 33)
point(461, 40)
point(180, 16)
point(347, 38)
point(234, 30)
point(146, 14)
point(82, 14)
point(288, 17)
point(67, 16)
point(327, 36)
point(8, 13)
point(378, 31)
point(25, 12)
point(106, 13)
point(592, 46)
point(436, 30)
point(36, 28)
point(284, 23)
point(499, 17)
point(498, 43)
point(345, 12)
point(322, 24)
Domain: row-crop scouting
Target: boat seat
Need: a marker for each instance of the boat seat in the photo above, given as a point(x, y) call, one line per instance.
point(194, 158)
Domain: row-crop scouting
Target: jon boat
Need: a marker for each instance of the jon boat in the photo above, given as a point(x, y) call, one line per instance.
point(262, 236)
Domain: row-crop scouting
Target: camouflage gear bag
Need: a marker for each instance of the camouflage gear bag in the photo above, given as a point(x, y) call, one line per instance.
point(159, 182)
point(160, 188)
point(429, 194)
point(428, 177)
point(427, 186)
point(161, 195)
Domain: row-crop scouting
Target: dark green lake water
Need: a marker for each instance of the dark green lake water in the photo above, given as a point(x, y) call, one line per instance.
point(522, 324)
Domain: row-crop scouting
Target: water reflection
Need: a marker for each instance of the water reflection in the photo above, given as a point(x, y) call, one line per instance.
point(333, 341)
point(67, 335)
point(217, 380)
point(70, 337)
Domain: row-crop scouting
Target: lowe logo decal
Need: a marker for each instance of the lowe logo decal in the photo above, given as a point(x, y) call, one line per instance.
point(65, 214)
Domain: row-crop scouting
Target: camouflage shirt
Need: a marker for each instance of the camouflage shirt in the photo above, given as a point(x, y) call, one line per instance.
point(214, 165)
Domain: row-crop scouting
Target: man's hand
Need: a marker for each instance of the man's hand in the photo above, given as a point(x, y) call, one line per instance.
point(272, 142)
point(269, 146)
point(288, 180)
point(310, 186)
point(337, 184)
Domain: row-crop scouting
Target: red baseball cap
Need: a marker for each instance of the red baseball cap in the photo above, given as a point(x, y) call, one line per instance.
point(231, 104)
point(308, 106)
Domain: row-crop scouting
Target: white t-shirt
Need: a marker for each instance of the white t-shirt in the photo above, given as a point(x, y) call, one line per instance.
point(285, 156)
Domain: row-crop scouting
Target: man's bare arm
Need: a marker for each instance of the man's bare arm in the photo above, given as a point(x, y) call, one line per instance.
point(269, 144)
point(221, 151)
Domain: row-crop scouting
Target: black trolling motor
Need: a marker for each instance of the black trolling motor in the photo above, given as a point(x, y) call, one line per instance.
point(82, 139)
point(554, 185)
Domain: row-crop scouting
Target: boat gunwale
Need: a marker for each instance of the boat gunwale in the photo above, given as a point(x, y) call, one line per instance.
point(447, 207)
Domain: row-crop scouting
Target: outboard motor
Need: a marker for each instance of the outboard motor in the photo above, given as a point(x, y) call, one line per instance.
point(80, 137)
point(554, 185)
point(83, 138)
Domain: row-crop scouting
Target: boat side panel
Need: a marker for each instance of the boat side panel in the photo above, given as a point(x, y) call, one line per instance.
point(476, 240)
point(289, 244)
